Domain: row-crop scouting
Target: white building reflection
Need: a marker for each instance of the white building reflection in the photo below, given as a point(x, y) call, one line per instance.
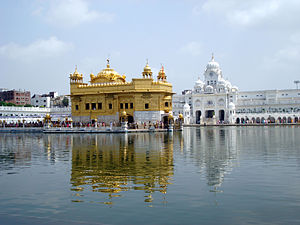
point(213, 150)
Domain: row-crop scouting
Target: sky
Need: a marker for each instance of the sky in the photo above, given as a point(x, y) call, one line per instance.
point(256, 43)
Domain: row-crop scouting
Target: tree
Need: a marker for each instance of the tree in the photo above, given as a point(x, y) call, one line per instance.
point(65, 102)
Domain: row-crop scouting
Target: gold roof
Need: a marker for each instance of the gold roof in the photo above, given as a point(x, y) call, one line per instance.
point(107, 75)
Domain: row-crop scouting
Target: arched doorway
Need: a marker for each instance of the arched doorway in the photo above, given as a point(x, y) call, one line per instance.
point(272, 119)
point(253, 120)
point(237, 120)
point(257, 120)
point(209, 113)
point(263, 120)
point(198, 115)
point(130, 119)
point(221, 115)
point(289, 120)
point(279, 120)
point(284, 119)
point(242, 120)
point(165, 121)
point(296, 120)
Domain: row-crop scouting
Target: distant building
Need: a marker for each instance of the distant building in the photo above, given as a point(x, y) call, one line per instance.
point(61, 101)
point(52, 99)
point(40, 101)
point(15, 97)
point(3, 89)
point(216, 100)
point(13, 114)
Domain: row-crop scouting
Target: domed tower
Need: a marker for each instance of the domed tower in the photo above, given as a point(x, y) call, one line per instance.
point(76, 77)
point(162, 75)
point(212, 73)
point(186, 113)
point(199, 84)
point(147, 73)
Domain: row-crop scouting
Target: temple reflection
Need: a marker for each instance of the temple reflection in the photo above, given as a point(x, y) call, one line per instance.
point(113, 164)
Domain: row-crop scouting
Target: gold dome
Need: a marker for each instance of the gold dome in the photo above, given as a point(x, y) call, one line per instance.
point(147, 73)
point(180, 116)
point(107, 75)
point(170, 116)
point(124, 113)
point(147, 68)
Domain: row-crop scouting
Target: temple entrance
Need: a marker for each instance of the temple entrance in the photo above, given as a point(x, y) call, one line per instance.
point(221, 115)
point(209, 113)
point(130, 119)
point(165, 121)
point(198, 115)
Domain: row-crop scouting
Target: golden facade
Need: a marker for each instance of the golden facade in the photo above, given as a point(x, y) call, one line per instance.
point(109, 94)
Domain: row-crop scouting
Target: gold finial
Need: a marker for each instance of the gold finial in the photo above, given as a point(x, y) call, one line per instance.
point(147, 61)
point(107, 63)
point(212, 57)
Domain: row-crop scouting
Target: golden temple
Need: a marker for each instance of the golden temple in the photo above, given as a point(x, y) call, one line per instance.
point(108, 94)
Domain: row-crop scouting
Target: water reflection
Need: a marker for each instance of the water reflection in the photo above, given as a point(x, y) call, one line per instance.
point(22, 150)
point(213, 150)
point(113, 164)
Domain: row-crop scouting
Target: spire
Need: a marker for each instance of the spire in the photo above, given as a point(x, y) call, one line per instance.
point(161, 74)
point(76, 72)
point(212, 57)
point(108, 66)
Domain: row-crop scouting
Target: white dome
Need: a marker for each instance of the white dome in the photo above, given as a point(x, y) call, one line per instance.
point(231, 105)
point(212, 64)
point(186, 107)
point(199, 83)
point(234, 88)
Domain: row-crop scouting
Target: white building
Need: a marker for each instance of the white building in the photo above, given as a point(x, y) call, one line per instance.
point(215, 100)
point(40, 101)
point(12, 114)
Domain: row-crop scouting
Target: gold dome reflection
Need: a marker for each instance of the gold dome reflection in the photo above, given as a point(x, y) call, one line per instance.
point(116, 163)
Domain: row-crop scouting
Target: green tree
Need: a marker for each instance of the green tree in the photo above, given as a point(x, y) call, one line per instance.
point(65, 101)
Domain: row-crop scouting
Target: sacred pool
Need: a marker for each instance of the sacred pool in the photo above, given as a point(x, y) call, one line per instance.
point(204, 175)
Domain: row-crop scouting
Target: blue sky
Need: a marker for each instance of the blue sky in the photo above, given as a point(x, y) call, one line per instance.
point(257, 43)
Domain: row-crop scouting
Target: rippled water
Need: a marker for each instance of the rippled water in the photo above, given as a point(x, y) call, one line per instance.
point(209, 175)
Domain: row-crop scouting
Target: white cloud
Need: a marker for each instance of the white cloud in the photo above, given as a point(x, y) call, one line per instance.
point(252, 13)
point(193, 48)
point(287, 57)
point(71, 13)
point(39, 49)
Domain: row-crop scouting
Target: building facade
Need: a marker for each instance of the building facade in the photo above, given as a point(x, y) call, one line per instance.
point(40, 101)
point(13, 114)
point(215, 100)
point(109, 94)
point(16, 97)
